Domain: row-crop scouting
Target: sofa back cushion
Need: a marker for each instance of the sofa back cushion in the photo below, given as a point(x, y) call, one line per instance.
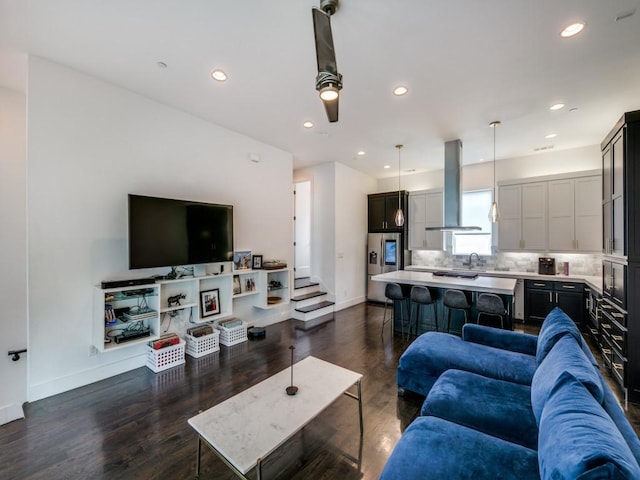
point(555, 326)
point(577, 439)
point(565, 356)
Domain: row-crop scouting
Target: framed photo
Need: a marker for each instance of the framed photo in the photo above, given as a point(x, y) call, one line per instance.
point(210, 302)
point(256, 262)
point(242, 260)
point(236, 285)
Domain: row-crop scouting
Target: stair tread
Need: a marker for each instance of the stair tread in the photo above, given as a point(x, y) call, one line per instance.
point(314, 307)
point(304, 282)
point(307, 296)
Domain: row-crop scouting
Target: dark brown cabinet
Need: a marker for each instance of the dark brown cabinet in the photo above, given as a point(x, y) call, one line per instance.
point(382, 211)
point(619, 332)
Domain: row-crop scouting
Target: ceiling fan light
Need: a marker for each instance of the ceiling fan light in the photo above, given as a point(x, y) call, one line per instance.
point(329, 93)
point(571, 30)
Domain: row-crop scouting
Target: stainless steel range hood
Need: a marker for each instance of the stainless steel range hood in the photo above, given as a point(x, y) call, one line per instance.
point(452, 194)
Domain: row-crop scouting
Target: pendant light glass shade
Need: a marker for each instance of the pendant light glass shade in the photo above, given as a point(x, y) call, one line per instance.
point(399, 217)
point(494, 211)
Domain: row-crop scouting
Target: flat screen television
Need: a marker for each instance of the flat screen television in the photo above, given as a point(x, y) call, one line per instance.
point(164, 232)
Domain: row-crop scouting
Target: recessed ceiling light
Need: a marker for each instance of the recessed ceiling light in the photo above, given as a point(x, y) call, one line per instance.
point(571, 30)
point(551, 135)
point(307, 124)
point(218, 75)
point(400, 90)
point(361, 152)
point(387, 166)
point(556, 106)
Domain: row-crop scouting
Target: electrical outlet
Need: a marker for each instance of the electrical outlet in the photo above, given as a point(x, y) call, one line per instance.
point(93, 351)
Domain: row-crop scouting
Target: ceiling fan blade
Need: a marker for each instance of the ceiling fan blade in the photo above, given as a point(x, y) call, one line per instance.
point(325, 54)
point(332, 110)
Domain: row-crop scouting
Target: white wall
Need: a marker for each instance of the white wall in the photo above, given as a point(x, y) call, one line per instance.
point(351, 207)
point(90, 143)
point(13, 253)
point(339, 229)
point(480, 175)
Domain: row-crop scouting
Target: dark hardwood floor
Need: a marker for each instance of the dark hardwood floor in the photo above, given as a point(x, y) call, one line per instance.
point(134, 425)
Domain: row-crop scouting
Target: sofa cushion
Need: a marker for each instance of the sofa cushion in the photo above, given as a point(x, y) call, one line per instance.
point(433, 448)
point(555, 326)
point(577, 437)
point(494, 407)
point(433, 353)
point(567, 356)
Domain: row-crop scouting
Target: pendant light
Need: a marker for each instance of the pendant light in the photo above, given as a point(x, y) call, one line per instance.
point(494, 212)
point(399, 218)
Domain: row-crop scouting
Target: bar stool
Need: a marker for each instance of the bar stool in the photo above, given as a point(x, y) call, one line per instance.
point(393, 291)
point(456, 300)
point(490, 304)
point(420, 296)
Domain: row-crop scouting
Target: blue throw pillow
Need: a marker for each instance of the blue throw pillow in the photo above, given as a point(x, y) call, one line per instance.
point(566, 355)
point(577, 437)
point(556, 325)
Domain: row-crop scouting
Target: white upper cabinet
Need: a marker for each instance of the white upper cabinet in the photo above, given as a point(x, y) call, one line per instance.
point(523, 222)
point(510, 223)
point(560, 213)
point(589, 214)
point(425, 210)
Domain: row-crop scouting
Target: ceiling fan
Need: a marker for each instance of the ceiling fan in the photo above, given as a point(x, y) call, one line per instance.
point(328, 81)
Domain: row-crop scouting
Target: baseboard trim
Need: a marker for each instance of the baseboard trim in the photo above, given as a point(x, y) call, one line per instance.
point(349, 303)
point(11, 412)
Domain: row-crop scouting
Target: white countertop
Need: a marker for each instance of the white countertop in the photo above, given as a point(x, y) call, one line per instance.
point(490, 284)
point(591, 281)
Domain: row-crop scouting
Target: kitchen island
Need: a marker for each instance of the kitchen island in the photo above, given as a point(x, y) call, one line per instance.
point(504, 287)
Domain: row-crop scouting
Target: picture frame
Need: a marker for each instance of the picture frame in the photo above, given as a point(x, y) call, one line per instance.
point(237, 289)
point(210, 302)
point(256, 262)
point(242, 260)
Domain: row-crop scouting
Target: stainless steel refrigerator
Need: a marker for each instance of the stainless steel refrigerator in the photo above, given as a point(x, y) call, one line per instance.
point(385, 253)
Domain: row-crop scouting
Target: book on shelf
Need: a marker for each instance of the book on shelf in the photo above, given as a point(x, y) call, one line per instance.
point(232, 322)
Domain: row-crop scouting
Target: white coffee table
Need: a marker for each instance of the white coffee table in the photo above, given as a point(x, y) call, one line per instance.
point(246, 428)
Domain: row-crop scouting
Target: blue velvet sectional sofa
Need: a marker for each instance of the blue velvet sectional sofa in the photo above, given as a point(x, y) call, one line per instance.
point(506, 405)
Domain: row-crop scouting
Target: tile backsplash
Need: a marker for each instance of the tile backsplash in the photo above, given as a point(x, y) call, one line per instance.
point(579, 264)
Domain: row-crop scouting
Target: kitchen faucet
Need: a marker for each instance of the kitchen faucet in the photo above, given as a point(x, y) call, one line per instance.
point(470, 259)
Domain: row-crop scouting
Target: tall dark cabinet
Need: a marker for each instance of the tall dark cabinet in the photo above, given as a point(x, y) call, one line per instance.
point(619, 329)
point(382, 211)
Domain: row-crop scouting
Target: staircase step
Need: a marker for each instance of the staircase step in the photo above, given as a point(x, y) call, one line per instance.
point(307, 296)
point(314, 322)
point(304, 282)
point(314, 307)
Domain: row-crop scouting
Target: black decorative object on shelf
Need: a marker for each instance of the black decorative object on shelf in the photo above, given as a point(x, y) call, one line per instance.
point(292, 390)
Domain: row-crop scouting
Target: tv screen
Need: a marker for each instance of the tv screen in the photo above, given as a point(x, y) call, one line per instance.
point(164, 232)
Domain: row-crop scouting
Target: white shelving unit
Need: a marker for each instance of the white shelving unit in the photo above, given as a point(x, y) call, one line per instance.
point(184, 294)
point(119, 301)
point(274, 284)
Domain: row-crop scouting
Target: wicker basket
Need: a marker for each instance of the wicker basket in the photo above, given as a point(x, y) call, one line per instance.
point(234, 335)
point(204, 345)
point(167, 357)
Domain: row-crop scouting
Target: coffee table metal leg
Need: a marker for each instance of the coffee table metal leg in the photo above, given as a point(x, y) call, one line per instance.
point(199, 452)
point(359, 383)
point(358, 397)
point(259, 469)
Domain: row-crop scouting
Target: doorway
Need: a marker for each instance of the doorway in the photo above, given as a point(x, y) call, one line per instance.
point(302, 229)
